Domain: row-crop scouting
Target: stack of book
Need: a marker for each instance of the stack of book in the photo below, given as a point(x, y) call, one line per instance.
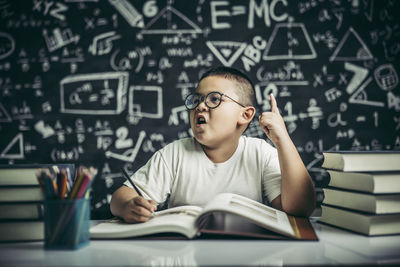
point(21, 202)
point(363, 194)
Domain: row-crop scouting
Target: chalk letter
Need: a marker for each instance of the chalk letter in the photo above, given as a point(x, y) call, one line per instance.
point(214, 15)
point(259, 12)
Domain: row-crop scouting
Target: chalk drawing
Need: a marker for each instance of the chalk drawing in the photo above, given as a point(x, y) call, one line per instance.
point(360, 74)
point(288, 74)
point(351, 48)
point(66, 155)
point(14, 150)
point(53, 8)
point(360, 96)
point(122, 138)
point(345, 134)
point(290, 119)
point(332, 94)
point(335, 119)
point(95, 93)
point(146, 102)
point(44, 129)
point(368, 9)
point(289, 41)
point(21, 112)
point(315, 113)
point(129, 12)
point(4, 116)
point(59, 38)
point(393, 101)
point(102, 43)
point(130, 154)
point(177, 113)
point(386, 77)
point(167, 21)
point(227, 52)
point(150, 8)
point(7, 45)
point(133, 59)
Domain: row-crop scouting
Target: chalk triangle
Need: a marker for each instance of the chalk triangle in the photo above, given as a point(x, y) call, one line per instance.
point(170, 21)
point(360, 96)
point(14, 150)
point(227, 52)
point(351, 48)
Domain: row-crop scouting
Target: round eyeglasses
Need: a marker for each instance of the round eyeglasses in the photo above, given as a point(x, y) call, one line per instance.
point(213, 100)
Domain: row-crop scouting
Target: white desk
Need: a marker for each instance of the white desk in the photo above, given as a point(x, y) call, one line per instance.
point(335, 246)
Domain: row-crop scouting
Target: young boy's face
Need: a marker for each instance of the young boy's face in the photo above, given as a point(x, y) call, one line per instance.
point(215, 127)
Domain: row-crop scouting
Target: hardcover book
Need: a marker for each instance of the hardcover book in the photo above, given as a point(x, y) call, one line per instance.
point(378, 204)
point(372, 182)
point(225, 215)
point(24, 230)
point(25, 174)
point(22, 210)
point(362, 160)
point(21, 194)
point(365, 223)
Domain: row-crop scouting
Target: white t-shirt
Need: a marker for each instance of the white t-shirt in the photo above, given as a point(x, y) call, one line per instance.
point(184, 171)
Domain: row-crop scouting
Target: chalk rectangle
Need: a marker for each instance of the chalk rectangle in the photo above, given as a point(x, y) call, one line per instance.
point(94, 94)
point(146, 102)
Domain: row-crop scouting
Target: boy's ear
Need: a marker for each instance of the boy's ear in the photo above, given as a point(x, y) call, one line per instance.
point(247, 115)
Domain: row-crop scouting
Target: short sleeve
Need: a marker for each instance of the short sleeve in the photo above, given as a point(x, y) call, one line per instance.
point(154, 179)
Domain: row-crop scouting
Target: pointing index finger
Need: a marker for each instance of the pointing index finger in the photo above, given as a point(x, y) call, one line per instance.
point(274, 105)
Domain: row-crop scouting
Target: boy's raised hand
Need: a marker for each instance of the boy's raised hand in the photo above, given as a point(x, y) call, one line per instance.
point(273, 124)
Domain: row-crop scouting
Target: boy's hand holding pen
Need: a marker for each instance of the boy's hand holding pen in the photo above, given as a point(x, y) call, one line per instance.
point(138, 209)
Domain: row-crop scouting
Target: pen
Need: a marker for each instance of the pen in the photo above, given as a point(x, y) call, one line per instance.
point(159, 206)
point(130, 181)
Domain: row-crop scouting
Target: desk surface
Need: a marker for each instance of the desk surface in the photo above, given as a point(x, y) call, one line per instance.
point(335, 246)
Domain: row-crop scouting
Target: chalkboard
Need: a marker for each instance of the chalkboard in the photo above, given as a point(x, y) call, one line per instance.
point(102, 83)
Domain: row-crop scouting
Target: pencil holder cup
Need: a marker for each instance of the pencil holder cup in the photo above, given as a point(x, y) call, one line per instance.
point(66, 223)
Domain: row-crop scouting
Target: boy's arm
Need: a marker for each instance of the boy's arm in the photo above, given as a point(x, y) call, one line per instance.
point(297, 189)
point(128, 205)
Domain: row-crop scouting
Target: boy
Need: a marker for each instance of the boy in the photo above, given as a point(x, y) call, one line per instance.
point(219, 159)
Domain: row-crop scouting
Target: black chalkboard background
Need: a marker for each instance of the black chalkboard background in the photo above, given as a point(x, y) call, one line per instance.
point(102, 83)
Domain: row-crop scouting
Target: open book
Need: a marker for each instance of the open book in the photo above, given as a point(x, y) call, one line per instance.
point(227, 215)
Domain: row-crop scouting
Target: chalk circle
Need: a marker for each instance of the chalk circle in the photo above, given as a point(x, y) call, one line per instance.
point(7, 45)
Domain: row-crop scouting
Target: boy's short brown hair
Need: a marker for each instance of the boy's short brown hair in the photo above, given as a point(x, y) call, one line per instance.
point(244, 89)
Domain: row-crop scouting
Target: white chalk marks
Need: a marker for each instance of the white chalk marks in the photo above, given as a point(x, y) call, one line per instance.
point(351, 48)
point(226, 51)
point(289, 41)
point(145, 102)
point(129, 12)
point(95, 93)
point(14, 149)
point(171, 21)
point(7, 45)
point(130, 154)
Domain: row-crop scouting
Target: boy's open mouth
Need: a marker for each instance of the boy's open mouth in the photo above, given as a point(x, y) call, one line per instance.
point(201, 120)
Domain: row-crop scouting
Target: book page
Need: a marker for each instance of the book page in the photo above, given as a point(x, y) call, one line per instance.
point(179, 220)
point(262, 215)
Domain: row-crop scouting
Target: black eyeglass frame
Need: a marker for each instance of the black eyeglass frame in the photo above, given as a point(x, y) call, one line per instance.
point(206, 96)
